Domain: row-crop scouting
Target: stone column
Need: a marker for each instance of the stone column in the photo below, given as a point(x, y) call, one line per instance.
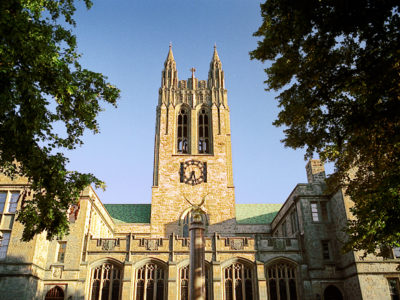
point(197, 289)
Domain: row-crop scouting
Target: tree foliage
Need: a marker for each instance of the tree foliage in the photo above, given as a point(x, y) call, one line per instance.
point(337, 64)
point(43, 85)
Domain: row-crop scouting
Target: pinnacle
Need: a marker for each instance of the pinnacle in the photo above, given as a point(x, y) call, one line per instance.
point(170, 55)
point(215, 55)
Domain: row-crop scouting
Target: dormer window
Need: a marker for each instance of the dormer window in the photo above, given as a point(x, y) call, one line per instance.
point(204, 132)
point(183, 132)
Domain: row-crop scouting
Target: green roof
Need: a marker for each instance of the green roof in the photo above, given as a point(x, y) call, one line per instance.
point(129, 213)
point(256, 213)
point(245, 213)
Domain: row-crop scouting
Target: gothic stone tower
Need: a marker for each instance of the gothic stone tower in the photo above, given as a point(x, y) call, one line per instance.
point(192, 153)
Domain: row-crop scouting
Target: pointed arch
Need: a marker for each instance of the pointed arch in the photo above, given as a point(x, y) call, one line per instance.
point(183, 280)
point(332, 292)
point(204, 130)
point(151, 279)
point(56, 293)
point(184, 220)
point(282, 279)
point(239, 279)
point(106, 279)
point(183, 124)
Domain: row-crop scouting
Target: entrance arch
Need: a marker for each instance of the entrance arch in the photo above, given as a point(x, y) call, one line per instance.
point(56, 293)
point(332, 293)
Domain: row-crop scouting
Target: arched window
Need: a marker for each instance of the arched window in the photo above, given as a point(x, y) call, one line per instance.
point(238, 281)
point(184, 281)
point(56, 293)
point(186, 222)
point(282, 284)
point(150, 282)
point(183, 131)
point(204, 131)
point(185, 225)
point(106, 282)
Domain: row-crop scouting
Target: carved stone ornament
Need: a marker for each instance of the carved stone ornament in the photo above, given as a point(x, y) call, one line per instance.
point(151, 245)
point(57, 272)
point(237, 244)
point(108, 245)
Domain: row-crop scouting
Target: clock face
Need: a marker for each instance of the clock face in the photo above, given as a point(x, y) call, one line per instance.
point(193, 172)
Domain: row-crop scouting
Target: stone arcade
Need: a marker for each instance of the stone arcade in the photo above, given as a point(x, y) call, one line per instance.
point(141, 251)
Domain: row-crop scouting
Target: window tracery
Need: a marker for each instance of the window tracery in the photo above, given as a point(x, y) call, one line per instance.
point(238, 281)
point(184, 281)
point(282, 284)
point(183, 132)
point(150, 282)
point(106, 282)
point(56, 293)
point(204, 145)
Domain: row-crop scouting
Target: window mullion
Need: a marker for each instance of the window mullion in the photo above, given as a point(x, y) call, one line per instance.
point(101, 281)
point(278, 292)
point(243, 283)
point(287, 282)
point(145, 283)
point(112, 270)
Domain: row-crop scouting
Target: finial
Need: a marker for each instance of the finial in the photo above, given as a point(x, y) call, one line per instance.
point(193, 70)
point(215, 46)
point(170, 45)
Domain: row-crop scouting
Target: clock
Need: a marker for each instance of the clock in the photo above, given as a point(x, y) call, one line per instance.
point(193, 172)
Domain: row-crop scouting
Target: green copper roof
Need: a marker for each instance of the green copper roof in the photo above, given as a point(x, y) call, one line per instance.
point(129, 213)
point(256, 213)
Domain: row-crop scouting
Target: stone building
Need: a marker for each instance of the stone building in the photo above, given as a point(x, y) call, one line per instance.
point(141, 251)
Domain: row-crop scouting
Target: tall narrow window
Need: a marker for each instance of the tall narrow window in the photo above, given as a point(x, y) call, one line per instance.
point(238, 282)
point(185, 225)
point(293, 221)
point(106, 282)
point(281, 278)
point(150, 282)
point(325, 250)
point(13, 202)
point(204, 131)
point(4, 244)
point(314, 211)
point(394, 288)
point(183, 132)
point(319, 211)
point(3, 197)
point(62, 246)
point(184, 281)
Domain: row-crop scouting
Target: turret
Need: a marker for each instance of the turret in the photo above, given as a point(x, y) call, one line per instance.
point(216, 75)
point(169, 77)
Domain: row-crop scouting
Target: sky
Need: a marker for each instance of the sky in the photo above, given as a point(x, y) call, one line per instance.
point(128, 42)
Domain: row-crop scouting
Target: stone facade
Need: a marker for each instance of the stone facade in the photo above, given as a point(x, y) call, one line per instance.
point(291, 251)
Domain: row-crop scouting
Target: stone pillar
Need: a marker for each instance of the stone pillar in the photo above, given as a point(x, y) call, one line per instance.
point(197, 289)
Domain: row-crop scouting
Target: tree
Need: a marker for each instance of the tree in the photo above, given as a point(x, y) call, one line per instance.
point(43, 86)
point(337, 64)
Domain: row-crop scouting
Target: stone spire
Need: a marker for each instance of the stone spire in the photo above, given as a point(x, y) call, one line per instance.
point(170, 56)
point(215, 55)
point(169, 74)
point(216, 75)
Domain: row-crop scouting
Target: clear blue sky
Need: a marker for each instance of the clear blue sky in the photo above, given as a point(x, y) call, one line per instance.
point(128, 42)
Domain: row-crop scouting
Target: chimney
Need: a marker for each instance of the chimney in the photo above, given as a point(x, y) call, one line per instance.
point(315, 171)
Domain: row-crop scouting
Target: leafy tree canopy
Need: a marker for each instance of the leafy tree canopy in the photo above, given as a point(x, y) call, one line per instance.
point(42, 84)
point(337, 65)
